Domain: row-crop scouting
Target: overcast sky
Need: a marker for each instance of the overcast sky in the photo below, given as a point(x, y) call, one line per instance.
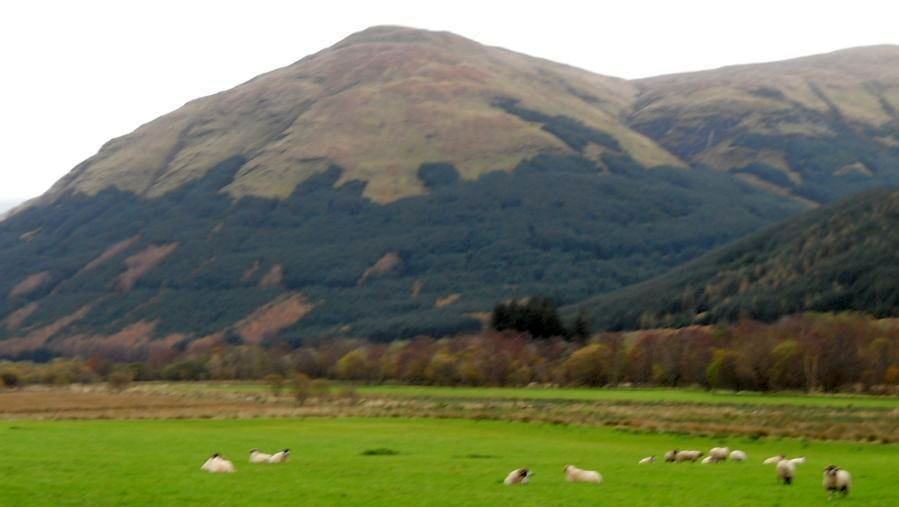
point(77, 73)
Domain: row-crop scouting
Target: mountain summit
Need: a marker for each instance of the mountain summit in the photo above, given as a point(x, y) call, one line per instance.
point(403, 181)
point(379, 104)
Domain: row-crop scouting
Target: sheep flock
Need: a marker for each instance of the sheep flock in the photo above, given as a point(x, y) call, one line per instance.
point(836, 480)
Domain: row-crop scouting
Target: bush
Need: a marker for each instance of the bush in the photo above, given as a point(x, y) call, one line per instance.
point(10, 379)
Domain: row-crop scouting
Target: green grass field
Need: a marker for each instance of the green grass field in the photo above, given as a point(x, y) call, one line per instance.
point(440, 462)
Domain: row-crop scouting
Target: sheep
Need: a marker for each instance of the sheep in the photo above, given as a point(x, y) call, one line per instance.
point(798, 461)
point(773, 460)
point(836, 479)
point(575, 474)
point(707, 460)
point(259, 457)
point(280, 456)
point(518, 476)
point(692, 456)
point(738, 456)
point(718, 454)
point(647, 460)
point(785, 471)
point(671, 456)
point(217, 464)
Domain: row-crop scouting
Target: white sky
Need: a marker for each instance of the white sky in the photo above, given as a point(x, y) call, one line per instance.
point(76, 73)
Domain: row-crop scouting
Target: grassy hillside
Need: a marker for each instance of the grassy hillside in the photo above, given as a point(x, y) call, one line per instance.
point(841, 257)
point(379, 104)
point(813, 128)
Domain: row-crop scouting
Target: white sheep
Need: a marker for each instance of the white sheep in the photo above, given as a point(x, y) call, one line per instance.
point(798, 461)
point(786, 470)
point(671, 456)
point(518, 476)
point(259, 457)
point(280, 456)
point(738, 456)
point(647, 460)
point(836, 479)
point(773, 460)
point(707, 460)
point(575, 474)
point(692, 456)
point(217, 464)
point(718, 454)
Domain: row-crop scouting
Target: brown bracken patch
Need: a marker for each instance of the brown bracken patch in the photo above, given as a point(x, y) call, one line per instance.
point(39, 337)
point(273, 278)
point(29, 284)
point(15, 320)
point(269, 319)
point(447, 300)
point(385, 264)
point(109, 253)
point(142, 263)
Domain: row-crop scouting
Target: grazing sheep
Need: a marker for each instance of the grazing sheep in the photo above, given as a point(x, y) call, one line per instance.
point(280, 456)
point(836, 479)
point(718, 454)
point(798, 461)
point(217, 464)
point(707, 460)
point(738, 456)
point(259, 457)
point(575, 474)
point(518, 476)
point(785, 471)
point(773, 460)
point(671, 456)
point(647, 460)
point(692, 456)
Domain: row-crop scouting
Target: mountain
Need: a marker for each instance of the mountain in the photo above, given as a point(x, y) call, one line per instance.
point(814, 128)
point(842, 257)
point(402, 181)
point(6, 205)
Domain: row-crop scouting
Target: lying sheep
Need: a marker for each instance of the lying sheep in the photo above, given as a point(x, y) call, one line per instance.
point(259, 457)
point(216, 464)
point(647, 460)
point(785, 471)
point(773, 460)
point(798, 461)
point(280, 456)
point(738, 456)
point(836, 479)
point(671, 456)
point(518, 476)
point(575, 474)
point(718, 454)
point(692, 456)
point(707, 460)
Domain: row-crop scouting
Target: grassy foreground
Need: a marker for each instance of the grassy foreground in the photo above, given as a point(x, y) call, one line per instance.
point(440, 462)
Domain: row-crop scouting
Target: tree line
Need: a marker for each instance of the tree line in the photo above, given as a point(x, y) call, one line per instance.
point(809, 352)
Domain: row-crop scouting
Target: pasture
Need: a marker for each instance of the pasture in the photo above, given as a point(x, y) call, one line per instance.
point(438, 462)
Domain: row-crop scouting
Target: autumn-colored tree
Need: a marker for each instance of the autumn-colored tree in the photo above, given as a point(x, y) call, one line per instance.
point(588, 366)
